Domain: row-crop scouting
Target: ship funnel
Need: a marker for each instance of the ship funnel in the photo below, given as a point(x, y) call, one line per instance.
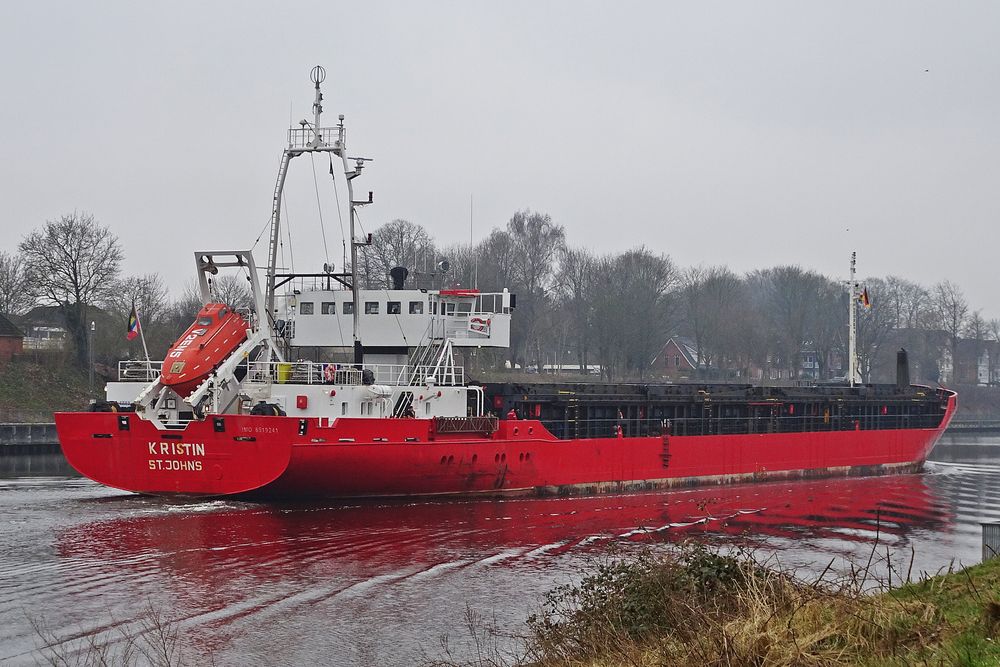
point(398, 275)
point(902, 370)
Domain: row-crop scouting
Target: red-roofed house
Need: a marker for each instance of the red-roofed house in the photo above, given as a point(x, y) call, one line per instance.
point(11, 339)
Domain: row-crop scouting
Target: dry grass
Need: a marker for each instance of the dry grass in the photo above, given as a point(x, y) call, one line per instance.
point(150, 639)
point(696, 606)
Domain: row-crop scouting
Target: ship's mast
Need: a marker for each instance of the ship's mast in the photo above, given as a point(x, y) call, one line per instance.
point(852, 326)
point(314, 138)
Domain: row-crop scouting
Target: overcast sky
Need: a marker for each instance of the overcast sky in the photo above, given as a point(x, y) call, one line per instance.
point(743, 133)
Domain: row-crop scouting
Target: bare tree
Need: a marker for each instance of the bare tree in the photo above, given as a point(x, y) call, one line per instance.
point(537, 242)
point(633, 308)
point(791, 303)
point(976, 328)
point(18, 293)
point(710, 298)
point(650, 283)
point(523, 258)
point(146, 292)
point(875, 324)
point(829, 327)
point(976, 334)
point(993, 327)
point(463, 261)
point(398, 243)
point(496, 261)
point(606, 297)
point(951, 313)
point(231, 289)
point(574, 280)
point(149, 296)
point(74, 262)
point(907, 301)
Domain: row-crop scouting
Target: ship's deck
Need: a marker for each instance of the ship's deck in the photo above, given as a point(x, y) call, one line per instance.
point(597, 410)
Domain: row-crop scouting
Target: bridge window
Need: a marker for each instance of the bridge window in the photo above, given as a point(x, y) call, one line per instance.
point(371, 307)
point(416, 308)
point(393, 308)
point(348, 308)
point(329, 308)
point(306, 308)
point(448, 308)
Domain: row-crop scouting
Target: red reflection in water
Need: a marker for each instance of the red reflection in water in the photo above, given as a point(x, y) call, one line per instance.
point(188, 542)
point(220, 563)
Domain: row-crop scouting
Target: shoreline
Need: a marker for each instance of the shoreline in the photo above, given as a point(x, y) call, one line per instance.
point(696, 604)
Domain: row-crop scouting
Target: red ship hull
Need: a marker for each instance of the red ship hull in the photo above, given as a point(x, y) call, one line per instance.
point(349, 458)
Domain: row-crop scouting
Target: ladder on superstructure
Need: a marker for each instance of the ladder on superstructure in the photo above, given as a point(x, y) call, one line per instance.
point(431, 359)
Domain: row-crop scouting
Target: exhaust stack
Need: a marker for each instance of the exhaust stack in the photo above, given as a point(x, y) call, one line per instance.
point(902, 370)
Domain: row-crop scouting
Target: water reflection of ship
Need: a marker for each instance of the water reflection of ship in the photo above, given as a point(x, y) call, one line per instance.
point(221, 567)
point(263, 541)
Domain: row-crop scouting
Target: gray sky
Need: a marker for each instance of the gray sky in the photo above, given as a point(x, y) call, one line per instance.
point(750, 134)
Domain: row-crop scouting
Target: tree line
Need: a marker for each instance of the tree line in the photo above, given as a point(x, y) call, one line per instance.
point(615, 311)
point(73, 265)
point(575, 306)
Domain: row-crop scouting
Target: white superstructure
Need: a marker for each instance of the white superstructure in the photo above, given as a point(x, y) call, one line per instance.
point(328, 348)
point(399, 318)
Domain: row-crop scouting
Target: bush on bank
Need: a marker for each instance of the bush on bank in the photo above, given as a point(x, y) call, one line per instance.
point(695, 606)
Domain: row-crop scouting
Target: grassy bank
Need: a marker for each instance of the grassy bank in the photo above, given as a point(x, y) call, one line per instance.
point(694, 606)
point(32, 389)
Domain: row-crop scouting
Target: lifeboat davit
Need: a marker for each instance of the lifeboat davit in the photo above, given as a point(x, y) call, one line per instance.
point(213, 336)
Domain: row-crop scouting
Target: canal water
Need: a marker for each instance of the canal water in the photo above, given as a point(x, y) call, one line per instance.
point(384, 583)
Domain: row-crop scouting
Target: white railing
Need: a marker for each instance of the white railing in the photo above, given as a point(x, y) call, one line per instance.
point(310, 372)
point(138, 370)
point(302, 137)
point(43, 343)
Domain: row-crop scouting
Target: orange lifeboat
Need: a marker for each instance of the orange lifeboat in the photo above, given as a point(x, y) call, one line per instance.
point(213, 336)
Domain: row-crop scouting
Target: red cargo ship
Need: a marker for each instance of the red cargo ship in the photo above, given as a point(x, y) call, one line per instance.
point(397, 419)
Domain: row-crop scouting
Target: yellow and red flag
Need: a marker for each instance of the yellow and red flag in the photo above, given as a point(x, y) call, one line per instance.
point(864, 299)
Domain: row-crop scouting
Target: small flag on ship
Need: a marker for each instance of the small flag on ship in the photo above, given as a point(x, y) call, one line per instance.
point(133, 324)
point(863, 298)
